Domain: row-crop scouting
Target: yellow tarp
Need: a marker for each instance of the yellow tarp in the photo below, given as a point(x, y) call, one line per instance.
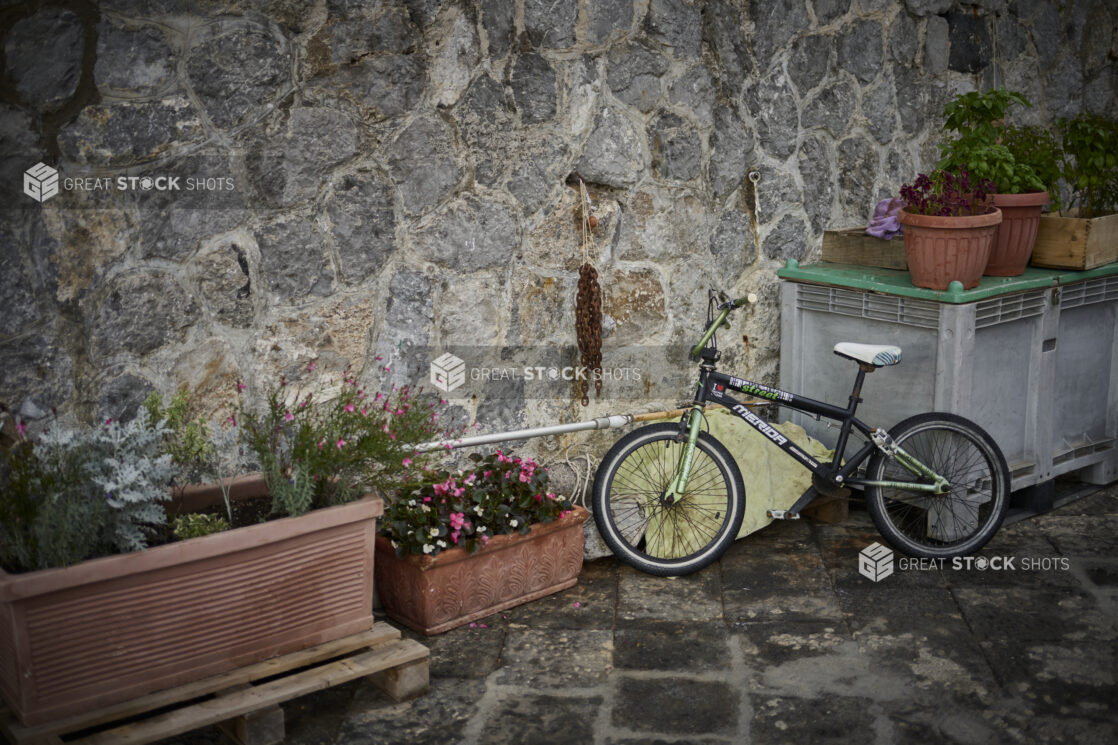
point(773, 480)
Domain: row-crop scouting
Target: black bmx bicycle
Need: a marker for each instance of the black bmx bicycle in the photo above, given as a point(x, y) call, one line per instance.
point(669, 500)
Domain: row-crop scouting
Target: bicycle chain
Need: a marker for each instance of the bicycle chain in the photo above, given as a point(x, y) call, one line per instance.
point(588, 325)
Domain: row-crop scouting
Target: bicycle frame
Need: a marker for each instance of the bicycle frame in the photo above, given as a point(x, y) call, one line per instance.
point(714, 387)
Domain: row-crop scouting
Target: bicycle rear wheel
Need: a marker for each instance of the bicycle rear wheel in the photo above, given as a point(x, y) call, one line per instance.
point(648, 533)
point(927, 525)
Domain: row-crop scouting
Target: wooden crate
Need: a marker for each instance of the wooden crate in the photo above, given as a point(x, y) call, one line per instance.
point(1075, 242)
point(853, 246)
point(244, 702)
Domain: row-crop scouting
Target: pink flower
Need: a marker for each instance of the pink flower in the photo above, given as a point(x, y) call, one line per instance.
point(525, 476)
point(321, 443)
point(340, 443)
point(364, 411)
point(232, 421)
point(378, 397)
point(240, 386)
point(21, 428)
point(578, 604)
point(457, 519)
point(310, 367)
point(378, 358)
point(484, 540)
point(349, 408)
point(406, 462)
point(288, 416)
point(454, 536)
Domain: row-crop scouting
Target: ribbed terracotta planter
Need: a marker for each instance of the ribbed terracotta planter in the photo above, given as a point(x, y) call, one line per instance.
point(1016, 233)
point(941, 250)
point(433, 594)
point(77, 638)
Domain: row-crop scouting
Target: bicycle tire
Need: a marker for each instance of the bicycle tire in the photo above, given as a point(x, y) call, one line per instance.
point(667, 540)
point(941, 526)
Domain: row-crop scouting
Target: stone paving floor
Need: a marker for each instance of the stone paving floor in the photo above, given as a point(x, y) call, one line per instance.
point(782, 641)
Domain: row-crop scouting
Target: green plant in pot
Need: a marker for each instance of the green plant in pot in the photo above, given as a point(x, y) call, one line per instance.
point(949, 225)
point(1090, 163)
point(1084, 234)
point(987, 149)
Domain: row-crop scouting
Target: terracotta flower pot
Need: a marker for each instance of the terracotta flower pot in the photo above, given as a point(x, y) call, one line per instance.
point(433, 594)
point(941, 250)
point(1016, 234)
point(73, 639)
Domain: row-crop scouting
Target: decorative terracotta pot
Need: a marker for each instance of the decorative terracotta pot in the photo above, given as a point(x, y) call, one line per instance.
point(1016, 234)
point(941, 250)
point(433, 594)
point(73, 639)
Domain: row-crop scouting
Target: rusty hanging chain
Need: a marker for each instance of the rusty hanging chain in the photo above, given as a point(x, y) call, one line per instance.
point(588, 306)
point(588, 324)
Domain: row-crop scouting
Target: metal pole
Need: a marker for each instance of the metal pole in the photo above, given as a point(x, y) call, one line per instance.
point(606, 422)
point(616, 420)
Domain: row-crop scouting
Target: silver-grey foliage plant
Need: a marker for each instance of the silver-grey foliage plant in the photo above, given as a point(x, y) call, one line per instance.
point(85, 493)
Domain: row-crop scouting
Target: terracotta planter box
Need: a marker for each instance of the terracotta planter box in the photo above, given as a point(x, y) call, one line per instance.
point(433, 594)
point(77, 638)
point(1065, 242)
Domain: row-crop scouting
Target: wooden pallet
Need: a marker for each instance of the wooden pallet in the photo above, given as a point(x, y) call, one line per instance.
point(244, 703)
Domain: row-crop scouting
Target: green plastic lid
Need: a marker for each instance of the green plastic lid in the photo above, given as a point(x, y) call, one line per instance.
point(899, 282)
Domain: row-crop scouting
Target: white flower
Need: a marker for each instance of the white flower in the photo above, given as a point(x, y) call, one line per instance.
point(428, 548)
point(513, 523)
point(411, 503)
point(481, 529)
point(442, 544)
point(434, 532)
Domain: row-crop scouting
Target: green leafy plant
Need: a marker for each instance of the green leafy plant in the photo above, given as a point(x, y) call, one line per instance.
point(979, 123)
point(195, 525)
point(501, 494)
point(1038, 148)
point(318, 450)
point(77, 494)
point(202, 452)
point(1090, 163)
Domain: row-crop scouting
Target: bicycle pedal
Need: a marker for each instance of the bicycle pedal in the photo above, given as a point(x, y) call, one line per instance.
point(783, 515)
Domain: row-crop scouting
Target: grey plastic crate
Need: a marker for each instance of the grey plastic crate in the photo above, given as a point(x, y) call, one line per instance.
point(1034, 368)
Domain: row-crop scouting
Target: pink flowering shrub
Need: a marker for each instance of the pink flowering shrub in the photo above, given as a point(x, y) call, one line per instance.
point(321, 452)
point(501, 494)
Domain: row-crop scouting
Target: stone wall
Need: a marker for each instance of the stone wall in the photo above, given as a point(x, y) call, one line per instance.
point(385, 177)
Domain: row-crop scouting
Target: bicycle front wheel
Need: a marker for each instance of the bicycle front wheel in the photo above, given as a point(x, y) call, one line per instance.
point(652, 533)
point(927, 525)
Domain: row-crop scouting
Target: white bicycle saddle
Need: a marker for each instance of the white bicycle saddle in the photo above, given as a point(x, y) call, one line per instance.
point(878, 355)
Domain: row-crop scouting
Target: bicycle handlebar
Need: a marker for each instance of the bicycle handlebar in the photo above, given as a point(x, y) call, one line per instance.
point(726, 308)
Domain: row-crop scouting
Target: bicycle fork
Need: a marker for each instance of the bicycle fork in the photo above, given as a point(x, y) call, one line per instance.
point(678, 484)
